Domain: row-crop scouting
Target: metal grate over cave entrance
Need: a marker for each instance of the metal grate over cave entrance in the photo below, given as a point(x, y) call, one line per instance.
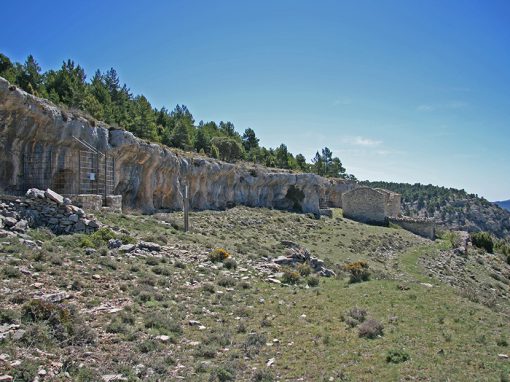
point(68, 171)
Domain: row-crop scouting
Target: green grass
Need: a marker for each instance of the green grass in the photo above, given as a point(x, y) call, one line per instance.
point(224, 321)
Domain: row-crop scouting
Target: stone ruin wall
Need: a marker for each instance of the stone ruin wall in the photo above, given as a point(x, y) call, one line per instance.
point(423, 228)
point(43, 209)
point(370, 205)
point(365, 205)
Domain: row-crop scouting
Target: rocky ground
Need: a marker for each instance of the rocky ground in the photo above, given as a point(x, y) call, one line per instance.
point(248, 294)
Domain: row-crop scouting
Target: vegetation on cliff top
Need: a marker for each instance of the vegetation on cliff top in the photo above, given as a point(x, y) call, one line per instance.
point(104, 98)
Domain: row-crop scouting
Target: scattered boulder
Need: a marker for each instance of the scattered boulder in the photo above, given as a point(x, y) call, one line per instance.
point(114, 243)
point(9, 221)
point(149, 246)
point(296, 254)
point(20, 226)
point(127, 248)
point(52, 195)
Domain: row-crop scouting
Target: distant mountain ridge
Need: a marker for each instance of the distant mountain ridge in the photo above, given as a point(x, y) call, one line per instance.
point(451, 208)
point(504, 204)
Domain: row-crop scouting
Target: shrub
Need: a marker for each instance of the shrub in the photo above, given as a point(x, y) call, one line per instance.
point(253, 343)
point(304, 269)
point(262, 376)
point(219, 254)
point(26, 371)
point(452, 238)
point(397, 356)
point(290, 276)
point(313, 281)
point(483, 240)
point(226, 281)
point(370, 329)
point(162, 323)
point(358, 271)
point(355, 316)
point(127, 239)
point(63, 321)
point(223, 374)
point(11, 272)
point(206, 351)
point(208, 287)
point(230, 263)
point(502, 341)
point(502, 247)
point(8, 316)
point(85, 241)
point(148, 346)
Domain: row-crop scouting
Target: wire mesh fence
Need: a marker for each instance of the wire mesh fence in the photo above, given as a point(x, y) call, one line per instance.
point(67, 171)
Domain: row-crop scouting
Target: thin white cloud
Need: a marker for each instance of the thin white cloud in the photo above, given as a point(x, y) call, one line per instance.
point(342, 101)
point(425, 108)
point(452, 105)
point(456, 105)
point(362, 141)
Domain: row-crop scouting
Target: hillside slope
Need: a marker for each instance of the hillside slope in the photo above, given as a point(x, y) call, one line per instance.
point(167, 312)
point(451, 208)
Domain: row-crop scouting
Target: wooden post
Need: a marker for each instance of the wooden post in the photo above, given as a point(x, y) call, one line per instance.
point(186, 209)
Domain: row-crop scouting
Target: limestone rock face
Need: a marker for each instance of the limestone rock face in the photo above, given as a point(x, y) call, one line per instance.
point(147, 175)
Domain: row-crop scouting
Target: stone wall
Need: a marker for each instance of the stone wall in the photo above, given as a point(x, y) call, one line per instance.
point(365, 205)
point(423, 228)
point(89, 202)
point(44, 209)
point(370, 205)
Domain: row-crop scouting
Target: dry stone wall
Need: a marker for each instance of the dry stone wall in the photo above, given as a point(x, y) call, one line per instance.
point(423, 228)
point(370, 205)
point(43, 209)
point(365, 205)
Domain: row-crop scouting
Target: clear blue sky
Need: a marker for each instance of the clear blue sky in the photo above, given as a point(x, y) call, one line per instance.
point(412, 91)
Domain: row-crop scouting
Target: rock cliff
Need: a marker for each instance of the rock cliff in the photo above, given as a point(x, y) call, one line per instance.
point(148, 176)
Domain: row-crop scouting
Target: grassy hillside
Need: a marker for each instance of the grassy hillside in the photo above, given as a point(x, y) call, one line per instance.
point(452, 208)
point(173, 314)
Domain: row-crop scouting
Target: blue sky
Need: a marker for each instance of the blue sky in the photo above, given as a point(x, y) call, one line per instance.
point(411, 91)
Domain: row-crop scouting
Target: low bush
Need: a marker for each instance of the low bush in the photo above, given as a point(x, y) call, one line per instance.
point(7, 316)
point(263, 376)
point(502, 247)
point(208, 287)
point(63, 321)
point(219, 254)
point(358, 271)
point(370, 329)
point(355, 316)
point(397, 356)
point(11, 272)
point(253, 343)
point(483, 240)
point(226, 281)
point(313, 281)
point(162, 322)
point(304, 269)
point(290, 276)
point(230, 263)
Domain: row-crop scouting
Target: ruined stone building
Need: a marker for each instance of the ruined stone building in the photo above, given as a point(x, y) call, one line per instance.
point(370, 205)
